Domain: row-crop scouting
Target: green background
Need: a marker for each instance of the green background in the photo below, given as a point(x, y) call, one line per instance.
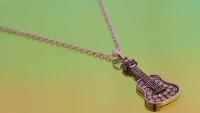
point(162, 35)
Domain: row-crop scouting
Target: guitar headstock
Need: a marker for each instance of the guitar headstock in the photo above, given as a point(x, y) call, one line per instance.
point(129, 62)
point(126, 66)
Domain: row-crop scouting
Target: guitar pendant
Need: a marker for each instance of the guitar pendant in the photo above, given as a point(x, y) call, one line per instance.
point(156, 92)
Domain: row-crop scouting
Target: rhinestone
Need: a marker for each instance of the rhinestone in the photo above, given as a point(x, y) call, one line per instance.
point(160, 95)
point(155, 96)
point(174, 89)
point(147, 89)
point(165, 85)
point(153, 77)
point(149, 92)
point(160, 83)
point(141, 83)
point(172, 93)
point(157, 81)
point(149, 97)
point(165, 93)
point(158, 99)
point(168, 89)
point(156, 78)
point(163, 98)
point(153, 92)
point(144, 86)
point(151, 100)
point(168, 95)
point(171, 86)
point(141, 86)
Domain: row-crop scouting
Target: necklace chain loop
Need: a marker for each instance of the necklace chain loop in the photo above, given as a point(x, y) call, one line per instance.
point(57, 43)
point(44, 39)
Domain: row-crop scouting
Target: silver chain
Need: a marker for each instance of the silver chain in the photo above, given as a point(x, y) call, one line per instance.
point(111, 58)
point(109, 24)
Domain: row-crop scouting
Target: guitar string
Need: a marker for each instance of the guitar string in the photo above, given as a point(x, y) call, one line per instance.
point(147, 82)
point(151, 83)
point(97, 54)
point(148, 77)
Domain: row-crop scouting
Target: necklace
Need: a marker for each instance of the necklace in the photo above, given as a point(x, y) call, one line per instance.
point(156, 92)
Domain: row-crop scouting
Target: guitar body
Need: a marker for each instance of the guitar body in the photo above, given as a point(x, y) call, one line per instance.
point(155, 100)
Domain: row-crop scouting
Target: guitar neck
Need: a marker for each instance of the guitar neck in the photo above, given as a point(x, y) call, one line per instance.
point(130, 68)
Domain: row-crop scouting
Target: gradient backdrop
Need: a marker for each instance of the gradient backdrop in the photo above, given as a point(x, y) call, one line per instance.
point(162, 35)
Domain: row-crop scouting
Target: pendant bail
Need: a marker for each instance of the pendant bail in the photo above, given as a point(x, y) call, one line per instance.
point(117, 53)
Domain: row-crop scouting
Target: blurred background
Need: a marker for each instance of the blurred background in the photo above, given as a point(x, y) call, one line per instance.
point(162, 35)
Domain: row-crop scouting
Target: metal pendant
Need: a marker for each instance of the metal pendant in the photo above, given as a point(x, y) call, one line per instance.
point(156, 92)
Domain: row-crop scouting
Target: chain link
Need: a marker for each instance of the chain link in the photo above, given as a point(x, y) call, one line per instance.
point(40, 38)
point(109, 24)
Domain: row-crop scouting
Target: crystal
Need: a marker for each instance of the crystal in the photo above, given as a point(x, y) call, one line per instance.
point(165, 93)
point(155, 96)
point(171, 86)
point(172, 93)
point(144, 86)
point(149, 97)
point(163, 98)
point(165, 85)
point(160, 83)
point(168, 89)
point(141, 83)
point(147, 89)
point(168, 95)
point(160, 95)
point(158, 99)
point(151, 100)
point(174, 89)
point(157, 81)
point(149, 92)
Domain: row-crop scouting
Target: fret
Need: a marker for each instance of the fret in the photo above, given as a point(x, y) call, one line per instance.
point(140, 74)
point(135, 73)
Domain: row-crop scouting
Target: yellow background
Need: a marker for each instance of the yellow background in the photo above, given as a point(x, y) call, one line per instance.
point(162, 35)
